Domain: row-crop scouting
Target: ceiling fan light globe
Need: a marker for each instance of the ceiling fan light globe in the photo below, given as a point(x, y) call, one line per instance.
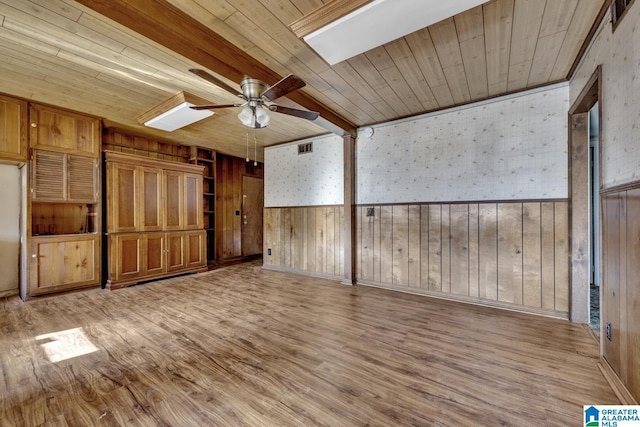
point(246, 116)
point(262, 117)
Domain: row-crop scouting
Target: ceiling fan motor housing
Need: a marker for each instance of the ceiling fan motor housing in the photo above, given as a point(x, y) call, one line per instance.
point(252, 88)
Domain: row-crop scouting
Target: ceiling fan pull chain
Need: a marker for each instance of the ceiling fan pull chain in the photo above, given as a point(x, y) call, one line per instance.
point(247, 160)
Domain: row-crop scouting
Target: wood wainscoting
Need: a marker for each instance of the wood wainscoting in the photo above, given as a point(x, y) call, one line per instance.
point(507, 254)
point(621, 284)
point(305, 239)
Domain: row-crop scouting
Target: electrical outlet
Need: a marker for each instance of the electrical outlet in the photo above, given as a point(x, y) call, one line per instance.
point(608, 330)
point(269, 251)
point(371, 212)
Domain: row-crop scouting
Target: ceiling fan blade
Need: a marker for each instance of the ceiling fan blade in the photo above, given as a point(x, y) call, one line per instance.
point(309, 115)
point(283, 87)
point(213, 107)
point(208, 77)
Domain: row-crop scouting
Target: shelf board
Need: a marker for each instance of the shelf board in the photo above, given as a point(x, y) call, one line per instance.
point(209, 177)
point(205, 160)
point(208, 194)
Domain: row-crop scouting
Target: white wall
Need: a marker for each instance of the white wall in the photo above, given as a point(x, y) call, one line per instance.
point(9, 227)
point(619, 54)
point(508, 148)
point(310, 179)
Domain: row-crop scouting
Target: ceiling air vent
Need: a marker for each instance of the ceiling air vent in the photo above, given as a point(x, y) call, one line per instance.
point(305, 148)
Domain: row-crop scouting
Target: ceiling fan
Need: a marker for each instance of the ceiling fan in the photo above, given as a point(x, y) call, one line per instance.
point(256, 94)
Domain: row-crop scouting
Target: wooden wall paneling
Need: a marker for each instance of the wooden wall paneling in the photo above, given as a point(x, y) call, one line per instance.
point(547, 256)
point(510, 252)
point(414, 254)
point(237, 167)
point(446, 249)
point(424, 246)
point(359, 221)
point(562, 256)
point(631, 309)
point(624, 331)
point(298, 246)
point(367, 238)
point(330, 258)
point(340, 240)
point(488, 250)
point(285, 237)
point(321, 239)
point(268, 236)
point(400, 245)
point(276, 237)
point(434, 279)
point(377, 250)
point(459, 232)
point(386, 244)
point(311, 238)
point(531, 255)
point(474, 251)
point(611, 287)
point(619, 330)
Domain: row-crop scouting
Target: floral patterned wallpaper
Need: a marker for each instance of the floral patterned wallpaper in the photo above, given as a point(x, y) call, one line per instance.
point(310, 179)
point(508, 148)
point(619, 54)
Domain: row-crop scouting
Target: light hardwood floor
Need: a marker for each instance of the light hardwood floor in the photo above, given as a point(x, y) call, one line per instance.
point(247, 346)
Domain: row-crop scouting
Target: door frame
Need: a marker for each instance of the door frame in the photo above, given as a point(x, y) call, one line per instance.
point(579, 212)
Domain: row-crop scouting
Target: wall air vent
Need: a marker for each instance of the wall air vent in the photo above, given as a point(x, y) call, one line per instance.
point(305, 148)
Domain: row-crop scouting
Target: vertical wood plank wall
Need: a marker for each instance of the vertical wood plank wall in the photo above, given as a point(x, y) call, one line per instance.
point(509, 254)
point(621, 284)
point(305, 239)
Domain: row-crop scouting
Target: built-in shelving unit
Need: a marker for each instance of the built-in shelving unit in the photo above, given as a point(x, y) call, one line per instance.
point(206, 157)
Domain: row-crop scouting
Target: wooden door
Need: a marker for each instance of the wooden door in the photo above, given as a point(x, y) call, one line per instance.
point(60, 130)
point(194, 248)
point(48, 177)
point(252, 207)
point(126, 256)
point(63, 262)
point(13, 129)
point(150, 199)
point(612, 205)
point(154, 254)
point(82, 179)
point(175, 251)
point(173, 200)
point(193, 218)
point(122, 199)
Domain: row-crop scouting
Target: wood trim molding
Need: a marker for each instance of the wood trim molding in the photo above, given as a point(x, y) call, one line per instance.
point(301, 272)
point(463, 202)
point(616, 384)
point(467, 300)
point(325, 14)
point(172, 28)
point(621, 187)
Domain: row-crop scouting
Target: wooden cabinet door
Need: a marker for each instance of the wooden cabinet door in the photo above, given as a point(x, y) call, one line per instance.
point(175, 251)
point(63, 262)
point(48, 176)
point(154, 254)
point(65, 131)
point(13, 129)
point(151, 199)
point(195, 248)
point(193, 218)
point(126, 252)
point(122, 198)
point(174, 200)
point(82, 179)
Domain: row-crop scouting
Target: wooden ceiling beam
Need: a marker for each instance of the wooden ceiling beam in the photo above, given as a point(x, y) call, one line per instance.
point(172, 28)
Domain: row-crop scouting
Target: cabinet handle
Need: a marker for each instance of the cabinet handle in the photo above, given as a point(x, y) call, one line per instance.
point(34, 125)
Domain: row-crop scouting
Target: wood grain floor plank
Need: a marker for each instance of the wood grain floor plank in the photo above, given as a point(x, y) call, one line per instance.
point(242, 345)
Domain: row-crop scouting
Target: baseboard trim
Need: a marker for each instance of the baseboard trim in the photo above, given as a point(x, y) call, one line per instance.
point(618, 387)
point(470, 300)
point(302, 272)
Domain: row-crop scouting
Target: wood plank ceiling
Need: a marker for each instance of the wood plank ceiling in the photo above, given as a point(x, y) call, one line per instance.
point(70, 54)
